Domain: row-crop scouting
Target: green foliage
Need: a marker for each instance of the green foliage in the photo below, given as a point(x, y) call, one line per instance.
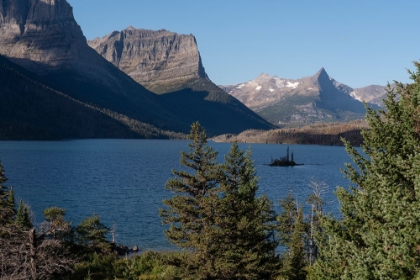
point(95, 266)
point(91, 232)
point(294, 259)
point(190, 213)
point(22, 217)
point(216, 216)
point(55, 225)
point(286, 219)
point(378, 235)
point(245, 223)
point(293, 234)
point(149, 265)
point(7, 201)
point(11, 198)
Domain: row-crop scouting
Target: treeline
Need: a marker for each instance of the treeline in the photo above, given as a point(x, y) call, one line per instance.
point(321, 134)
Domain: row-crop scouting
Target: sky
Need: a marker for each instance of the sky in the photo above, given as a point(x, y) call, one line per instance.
point(358, 42)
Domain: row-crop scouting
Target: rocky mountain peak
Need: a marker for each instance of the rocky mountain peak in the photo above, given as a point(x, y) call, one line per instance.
point(152, 58)
point(25, 25)
point(321, 76)
point(263, 77)
point(130, 28)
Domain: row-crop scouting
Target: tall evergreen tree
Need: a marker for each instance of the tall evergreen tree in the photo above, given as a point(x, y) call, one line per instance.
point(22, 216)
point(293, 260)
point(11, 198)
point(246, 244)
point(378, 236)
point(7, 208)
point(190, 212)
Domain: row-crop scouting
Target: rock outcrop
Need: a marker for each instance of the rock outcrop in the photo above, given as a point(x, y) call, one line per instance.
point(42, 34)
point(162, 61)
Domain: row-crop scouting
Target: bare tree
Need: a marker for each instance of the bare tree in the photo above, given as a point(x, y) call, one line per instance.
point(28, 255)
point(316, 202)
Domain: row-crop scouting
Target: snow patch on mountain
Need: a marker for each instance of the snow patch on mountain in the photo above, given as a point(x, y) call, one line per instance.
point(292, 85)
point(355, 96)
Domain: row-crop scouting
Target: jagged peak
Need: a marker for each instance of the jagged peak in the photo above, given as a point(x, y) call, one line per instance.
point(264, 75)
point(321, 75)
point(130, 28)
point(321, 72)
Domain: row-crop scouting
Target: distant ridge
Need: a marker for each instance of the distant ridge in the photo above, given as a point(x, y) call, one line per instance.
point(295, 102)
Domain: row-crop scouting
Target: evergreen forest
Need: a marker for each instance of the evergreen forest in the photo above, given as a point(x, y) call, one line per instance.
point(225, 230)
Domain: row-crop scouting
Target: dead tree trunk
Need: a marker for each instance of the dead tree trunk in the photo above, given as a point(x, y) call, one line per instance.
point(32, 253)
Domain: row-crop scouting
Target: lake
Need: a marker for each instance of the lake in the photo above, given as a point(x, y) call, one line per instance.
point(123, 180)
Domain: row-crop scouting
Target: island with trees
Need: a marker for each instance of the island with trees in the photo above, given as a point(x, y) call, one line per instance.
point(287, 160)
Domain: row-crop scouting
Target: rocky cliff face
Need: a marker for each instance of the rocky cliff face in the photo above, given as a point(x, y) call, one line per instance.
point(160, 60)
point(41, 34)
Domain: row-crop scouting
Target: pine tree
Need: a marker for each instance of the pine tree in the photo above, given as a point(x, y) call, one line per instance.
point(286, 219)
point(190, 212)
point(292, 232)
point(7, 208)
point(245, 222)
point(378, 234)
point(11, 198)
point(92, 232)
point(22, 217)
point(55, 226)
point(293, 261)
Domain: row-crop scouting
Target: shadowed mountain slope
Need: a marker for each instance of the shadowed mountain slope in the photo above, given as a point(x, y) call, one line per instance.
point(31, 110)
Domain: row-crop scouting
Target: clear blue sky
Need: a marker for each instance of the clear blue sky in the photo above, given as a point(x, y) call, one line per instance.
point(358, 42)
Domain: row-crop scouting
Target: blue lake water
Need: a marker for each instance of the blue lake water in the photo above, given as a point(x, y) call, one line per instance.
point(123, 180)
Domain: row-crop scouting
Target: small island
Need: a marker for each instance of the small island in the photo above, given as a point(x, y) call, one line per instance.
point(287, 160)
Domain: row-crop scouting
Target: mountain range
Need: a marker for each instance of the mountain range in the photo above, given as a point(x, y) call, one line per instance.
point(317, 98)
point(42, 44)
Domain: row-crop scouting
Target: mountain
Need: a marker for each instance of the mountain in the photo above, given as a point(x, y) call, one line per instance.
point(170, 64)
point(43, 37)
point(162, 61)
point(373, 94)
point(317, 98)
point(31, 110)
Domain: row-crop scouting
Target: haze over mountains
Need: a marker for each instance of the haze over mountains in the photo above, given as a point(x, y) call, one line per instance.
point(42, 37)
point(318, 98)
